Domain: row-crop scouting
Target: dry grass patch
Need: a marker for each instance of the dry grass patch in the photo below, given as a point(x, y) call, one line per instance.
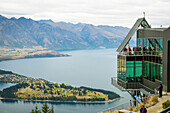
point(153, 100)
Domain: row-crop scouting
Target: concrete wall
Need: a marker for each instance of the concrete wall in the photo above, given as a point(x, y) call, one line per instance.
point(166, 68)
point(147, 33)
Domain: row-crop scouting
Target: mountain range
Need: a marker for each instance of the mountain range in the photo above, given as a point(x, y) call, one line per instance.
point(23, 32)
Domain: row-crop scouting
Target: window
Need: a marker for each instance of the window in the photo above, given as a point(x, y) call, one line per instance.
point(138, 68)
point(130, 69)
point(121, 67)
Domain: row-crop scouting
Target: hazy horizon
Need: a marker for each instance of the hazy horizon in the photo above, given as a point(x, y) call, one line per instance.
point(108, 12)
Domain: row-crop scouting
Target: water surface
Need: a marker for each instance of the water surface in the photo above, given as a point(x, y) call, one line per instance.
point(91, 68)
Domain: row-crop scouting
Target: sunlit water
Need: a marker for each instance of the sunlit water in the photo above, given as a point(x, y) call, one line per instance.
point(91, 68)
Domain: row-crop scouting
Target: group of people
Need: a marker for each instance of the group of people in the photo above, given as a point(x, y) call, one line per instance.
point(160, 88)
point(138, 50)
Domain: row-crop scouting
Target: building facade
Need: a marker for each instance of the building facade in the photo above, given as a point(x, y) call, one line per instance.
point(147, 65)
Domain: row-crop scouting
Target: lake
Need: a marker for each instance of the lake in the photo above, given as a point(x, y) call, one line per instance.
point(91, 68)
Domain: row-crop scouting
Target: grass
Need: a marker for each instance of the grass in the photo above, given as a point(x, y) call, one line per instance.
point(37, 90)
point(153, 99)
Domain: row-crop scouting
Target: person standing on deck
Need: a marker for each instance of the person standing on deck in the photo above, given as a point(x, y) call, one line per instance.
point(160, 87)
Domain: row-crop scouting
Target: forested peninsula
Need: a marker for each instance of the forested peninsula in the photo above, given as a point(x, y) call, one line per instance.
point(33, 89)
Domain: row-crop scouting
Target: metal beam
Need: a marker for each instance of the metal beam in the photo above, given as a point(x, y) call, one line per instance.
point(140, 22)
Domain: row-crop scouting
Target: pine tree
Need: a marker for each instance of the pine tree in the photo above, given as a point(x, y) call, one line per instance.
point(52, 109)
point(36, 110)
point(32, 111)
point(45, 108)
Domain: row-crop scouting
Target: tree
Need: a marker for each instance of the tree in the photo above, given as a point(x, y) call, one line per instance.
point(52, 109)
point(80, 94)
point(45, 108)
point(36, 110)
point(84, 92)
point(50, 92)
point(45, 91)
point(32, 111)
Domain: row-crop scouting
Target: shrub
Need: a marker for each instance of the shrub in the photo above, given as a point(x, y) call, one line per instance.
point(153, 99)
point(166, 104)
point(116, 111)
point(130, 109)
point(135, 109)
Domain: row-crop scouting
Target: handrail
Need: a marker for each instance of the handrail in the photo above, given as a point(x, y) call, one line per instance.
point(139, 86)
point(122, 106)
point(111, 109)
point(147, 87)
point(141, 53)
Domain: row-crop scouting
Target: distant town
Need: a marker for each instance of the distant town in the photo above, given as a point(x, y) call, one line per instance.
point(18, 78)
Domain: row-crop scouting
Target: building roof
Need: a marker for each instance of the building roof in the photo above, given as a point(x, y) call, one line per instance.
point(140, 22)
point(155, 29)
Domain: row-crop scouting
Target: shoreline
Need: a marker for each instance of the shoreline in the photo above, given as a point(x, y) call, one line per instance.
point(1, 60)
point(31, 80)
point(76, 102)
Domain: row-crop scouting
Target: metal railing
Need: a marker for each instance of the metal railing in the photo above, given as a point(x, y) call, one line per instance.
point(135, 103)
point(140, 53)
point(131, 86)
point(118, 84)
point(126, 105)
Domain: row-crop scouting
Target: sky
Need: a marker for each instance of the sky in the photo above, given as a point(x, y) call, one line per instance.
point(96, 12)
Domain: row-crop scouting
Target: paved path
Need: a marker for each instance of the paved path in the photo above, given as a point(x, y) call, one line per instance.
point(158, 107)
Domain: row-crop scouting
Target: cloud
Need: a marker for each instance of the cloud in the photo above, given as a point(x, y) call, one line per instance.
point(97, 12)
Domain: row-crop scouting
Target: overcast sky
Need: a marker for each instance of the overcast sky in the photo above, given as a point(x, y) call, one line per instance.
point(97, 12)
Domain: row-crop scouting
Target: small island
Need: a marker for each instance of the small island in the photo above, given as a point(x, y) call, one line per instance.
point(28, 88)
point(21, 53)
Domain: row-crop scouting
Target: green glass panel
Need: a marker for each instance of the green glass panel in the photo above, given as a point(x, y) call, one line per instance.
point(138, 63)
point(138, 68)
point(144, 42)
point(138, 71)
point(157, 71)
point(161, 44)
point(130, 63)
point(157, 46)
point(130, 71)
point(147, 46)
point(145, 70)
point(152, 71)
point(160, 72)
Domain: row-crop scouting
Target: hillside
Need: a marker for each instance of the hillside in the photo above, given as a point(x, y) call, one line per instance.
point(26, 33)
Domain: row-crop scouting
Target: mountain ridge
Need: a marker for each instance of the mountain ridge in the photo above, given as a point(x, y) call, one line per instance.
point(23, 32)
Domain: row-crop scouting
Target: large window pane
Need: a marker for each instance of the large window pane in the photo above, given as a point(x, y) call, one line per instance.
point(130, 69)
point(138, 68)
point(160, 72)
point(157, 72)
point(152, 71)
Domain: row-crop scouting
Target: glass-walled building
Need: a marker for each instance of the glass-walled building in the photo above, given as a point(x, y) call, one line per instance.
point(147, 64)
